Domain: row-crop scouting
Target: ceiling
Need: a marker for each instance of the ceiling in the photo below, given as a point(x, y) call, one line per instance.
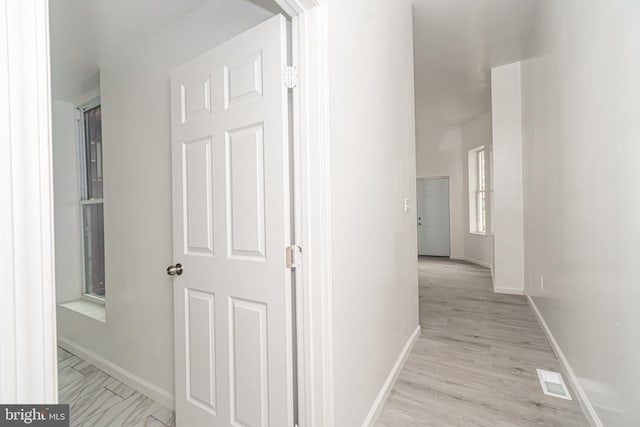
point(85, 33)
point(456, 42)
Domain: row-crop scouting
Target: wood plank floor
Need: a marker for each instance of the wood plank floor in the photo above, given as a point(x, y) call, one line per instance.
point(96, 399)
point(475, 361)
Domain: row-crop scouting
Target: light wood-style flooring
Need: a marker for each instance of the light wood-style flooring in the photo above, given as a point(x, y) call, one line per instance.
point(475, 361)
point(96, 399)
point(473, 365)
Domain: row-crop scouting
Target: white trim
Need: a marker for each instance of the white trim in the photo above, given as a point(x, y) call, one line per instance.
point(91, 202)
point(93, 103)
point(427, 178)
point(81, 173)
point(388, 385)
point(93, 310)
point(294, 8)
point(473, 185)
point(587, 407)
point(27, 307)
point(152, 391)
point(312, 208)
point(472, 261)
point(82, 147)
point(508, 291)
point(93, 299)
point(83, 189)
point(478, 262)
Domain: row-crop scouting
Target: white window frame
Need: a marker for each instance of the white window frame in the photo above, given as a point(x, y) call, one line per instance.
point(84, 191)
point(490, 192)
point(478, 198)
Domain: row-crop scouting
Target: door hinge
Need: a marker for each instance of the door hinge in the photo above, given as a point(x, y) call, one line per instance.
point(290, 76)
point(294, 256)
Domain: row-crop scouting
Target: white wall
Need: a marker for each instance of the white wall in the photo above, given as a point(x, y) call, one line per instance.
point(439, 152)
point(138, 335)
point(66, 193)
point(374, 243)
point(581, 151)
point(507, 168)
point(442, 151)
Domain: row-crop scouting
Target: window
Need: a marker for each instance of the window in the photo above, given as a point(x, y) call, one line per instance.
point(91, 204)
point(477, 191)
point(491, 199)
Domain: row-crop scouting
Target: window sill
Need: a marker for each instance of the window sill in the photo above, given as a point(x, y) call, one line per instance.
point(92, 299)
point(87, 308)
point(477, 233)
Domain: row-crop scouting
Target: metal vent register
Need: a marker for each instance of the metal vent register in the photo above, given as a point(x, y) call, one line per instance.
point(553, 384)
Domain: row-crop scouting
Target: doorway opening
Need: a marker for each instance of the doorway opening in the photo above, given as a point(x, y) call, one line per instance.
point(117, 348)
point(31, 296)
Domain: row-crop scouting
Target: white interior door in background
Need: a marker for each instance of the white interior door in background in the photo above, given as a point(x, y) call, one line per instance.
point(231, 212)
point(433, 217)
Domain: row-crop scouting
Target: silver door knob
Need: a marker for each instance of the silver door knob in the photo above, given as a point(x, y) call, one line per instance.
point(174, 270)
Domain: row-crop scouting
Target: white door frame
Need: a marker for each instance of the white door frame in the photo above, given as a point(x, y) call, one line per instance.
point(28, 363)
point(312, 211)
point(27, 306)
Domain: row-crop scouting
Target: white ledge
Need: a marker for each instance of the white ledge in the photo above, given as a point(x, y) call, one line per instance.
point(87, 308)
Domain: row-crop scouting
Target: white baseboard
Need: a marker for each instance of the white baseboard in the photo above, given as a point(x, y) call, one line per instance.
point(378, 404)
point(510, 291)
point(587, 407)
point(478, 262)
point(152, 391)
point(473, 261)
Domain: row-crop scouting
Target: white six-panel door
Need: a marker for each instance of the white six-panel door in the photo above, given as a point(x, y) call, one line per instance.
point(231, 214)
point(433, 217)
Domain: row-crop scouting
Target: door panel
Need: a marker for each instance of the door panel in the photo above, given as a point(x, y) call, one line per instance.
point(195, 98)
point(232, 304)
point(245, 192)
point(433, 217)
point(200, 349)
point(243, 80)
point(197, 198)
point(248, 358)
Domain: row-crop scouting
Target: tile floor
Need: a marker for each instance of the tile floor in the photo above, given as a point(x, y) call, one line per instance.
point(98, 400)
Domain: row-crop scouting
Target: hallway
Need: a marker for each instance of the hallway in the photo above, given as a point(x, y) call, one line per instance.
point(475, 361)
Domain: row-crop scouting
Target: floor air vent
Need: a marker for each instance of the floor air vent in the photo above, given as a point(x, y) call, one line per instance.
point(553, 384)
